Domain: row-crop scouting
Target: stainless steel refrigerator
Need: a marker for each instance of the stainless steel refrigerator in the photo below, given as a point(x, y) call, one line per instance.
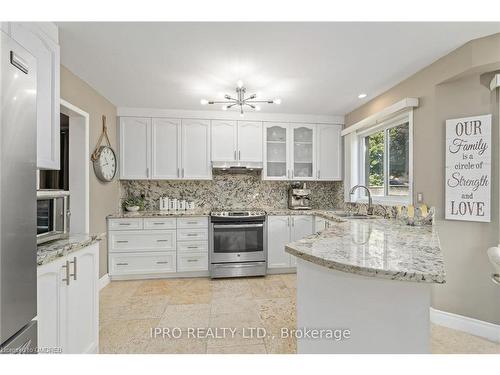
point(18, 331)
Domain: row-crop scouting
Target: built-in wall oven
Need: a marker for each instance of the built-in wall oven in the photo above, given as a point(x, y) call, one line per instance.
point(238, 244)
point(52, 215)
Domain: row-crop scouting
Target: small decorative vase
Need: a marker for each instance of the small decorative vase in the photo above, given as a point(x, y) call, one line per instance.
point(132, 208)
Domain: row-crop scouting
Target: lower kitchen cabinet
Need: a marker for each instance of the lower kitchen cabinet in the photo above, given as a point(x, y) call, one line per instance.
point(68, 302)
point(283, 230)
point(157, 247)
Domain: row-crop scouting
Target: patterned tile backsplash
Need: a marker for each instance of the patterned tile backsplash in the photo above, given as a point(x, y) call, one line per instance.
point(232, 191)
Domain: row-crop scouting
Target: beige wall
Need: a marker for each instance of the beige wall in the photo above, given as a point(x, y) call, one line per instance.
point(103, 197)
point(454, 86)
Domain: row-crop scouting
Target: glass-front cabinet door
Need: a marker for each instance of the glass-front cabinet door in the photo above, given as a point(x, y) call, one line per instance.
point(302, 151)
point(276, 151)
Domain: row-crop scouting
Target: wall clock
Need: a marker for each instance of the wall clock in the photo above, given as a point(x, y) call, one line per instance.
point(105, 164)
point(104, 157)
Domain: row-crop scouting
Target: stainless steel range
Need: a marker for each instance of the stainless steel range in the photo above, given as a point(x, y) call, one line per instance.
point(238, 244)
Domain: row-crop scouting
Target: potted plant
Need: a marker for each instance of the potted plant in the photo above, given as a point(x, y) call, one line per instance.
point(133, 204)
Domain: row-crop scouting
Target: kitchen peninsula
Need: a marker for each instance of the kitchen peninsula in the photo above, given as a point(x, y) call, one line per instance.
point(372, 277)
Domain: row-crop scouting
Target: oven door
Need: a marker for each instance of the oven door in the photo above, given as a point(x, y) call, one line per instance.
point(238, 242)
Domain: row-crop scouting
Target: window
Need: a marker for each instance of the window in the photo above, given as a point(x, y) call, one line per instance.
point(385, 161)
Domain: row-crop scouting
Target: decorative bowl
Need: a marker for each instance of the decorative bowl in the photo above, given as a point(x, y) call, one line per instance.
point(132, 208)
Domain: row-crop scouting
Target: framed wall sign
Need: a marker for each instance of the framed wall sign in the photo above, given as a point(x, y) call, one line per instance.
point(468, 168)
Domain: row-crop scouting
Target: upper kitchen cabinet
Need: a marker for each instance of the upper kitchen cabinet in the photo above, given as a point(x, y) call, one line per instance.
point(250, 141)
point(224, 140)
point(41, 40)
point(195, 150)
point(302, 152)
point(165, 143)
point(236, 141)
point(329, 152)
point(276, 144)
point(135, 148)
point(164, 149)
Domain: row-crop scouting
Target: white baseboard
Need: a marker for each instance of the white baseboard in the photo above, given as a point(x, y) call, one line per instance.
point(103, 281)
point(462, 323)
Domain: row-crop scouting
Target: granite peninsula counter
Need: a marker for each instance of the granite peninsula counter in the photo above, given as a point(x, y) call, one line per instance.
point(50, 251)
point(372, 277)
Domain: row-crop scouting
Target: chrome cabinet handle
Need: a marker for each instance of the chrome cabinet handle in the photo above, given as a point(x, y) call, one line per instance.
point(121, 241)
point(147, 172)
point(234, 154)
point(74, 268)
point(318, 173)
point(182, 172)
point(161, 240)
point(288, 221)
point(67, 272)
point(158, 223)
point(192, 260)
point(122, 264)
point(191, 234)
point(124, 224)
point(293, 221)
point(239, 155)
point(192, 222)
point(192, 247)
point(165, 262)
point(178, 172)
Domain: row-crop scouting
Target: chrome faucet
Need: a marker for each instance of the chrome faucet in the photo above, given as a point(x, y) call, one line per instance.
point(369, 210)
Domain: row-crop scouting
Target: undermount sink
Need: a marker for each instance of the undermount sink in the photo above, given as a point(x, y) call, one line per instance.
point(348, 215)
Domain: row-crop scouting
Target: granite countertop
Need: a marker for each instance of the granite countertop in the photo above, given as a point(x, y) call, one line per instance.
point(377, 247)
point(141, 214)
point(50, 251)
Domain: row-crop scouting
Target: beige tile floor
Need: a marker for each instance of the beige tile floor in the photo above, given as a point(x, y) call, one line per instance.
point(129, 310)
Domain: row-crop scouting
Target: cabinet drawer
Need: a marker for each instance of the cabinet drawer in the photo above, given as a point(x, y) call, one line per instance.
point(133, 241)
point(192, 222)
point(192, 262)
point(124, 224)
point(192, 246)
point(196, 234)
point(160, 223)
point(142, 263)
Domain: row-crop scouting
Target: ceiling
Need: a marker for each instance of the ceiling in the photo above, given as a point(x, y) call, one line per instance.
point(316, 68)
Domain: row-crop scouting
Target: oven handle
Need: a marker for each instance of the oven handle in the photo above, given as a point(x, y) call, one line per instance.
point(238, 226)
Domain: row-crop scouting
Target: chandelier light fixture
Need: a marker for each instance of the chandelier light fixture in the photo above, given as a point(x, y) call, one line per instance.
point(241, 101)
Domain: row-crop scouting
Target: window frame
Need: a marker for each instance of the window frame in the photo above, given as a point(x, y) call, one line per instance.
point(393, 121)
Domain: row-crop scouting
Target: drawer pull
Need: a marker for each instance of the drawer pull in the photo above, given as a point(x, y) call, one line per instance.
point(159, 223)
point(125, 224)
point(121, 241)
point(161, 240)
point(193, 247)
point(122, 264)
point(192, 234)
point(192, 222)
point(192, 260)
point(165, 262)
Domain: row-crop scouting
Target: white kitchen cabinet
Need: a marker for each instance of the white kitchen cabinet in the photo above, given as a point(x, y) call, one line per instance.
point(165, 151)
point(329, 152)
point(157, 247)
point(82, 311)
point(68, 302)
point(276, 151)
point(195, 149)
point(224, 140)
point(302, 151)
point(283, 230)
point(51, 304)
point(250, 141)
point(237, 141)
point(135, 148)
point(278, 235)
point(41, 40)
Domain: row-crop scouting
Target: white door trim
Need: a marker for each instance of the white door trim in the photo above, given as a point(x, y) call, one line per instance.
point(76, 114)
point(462, 323)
